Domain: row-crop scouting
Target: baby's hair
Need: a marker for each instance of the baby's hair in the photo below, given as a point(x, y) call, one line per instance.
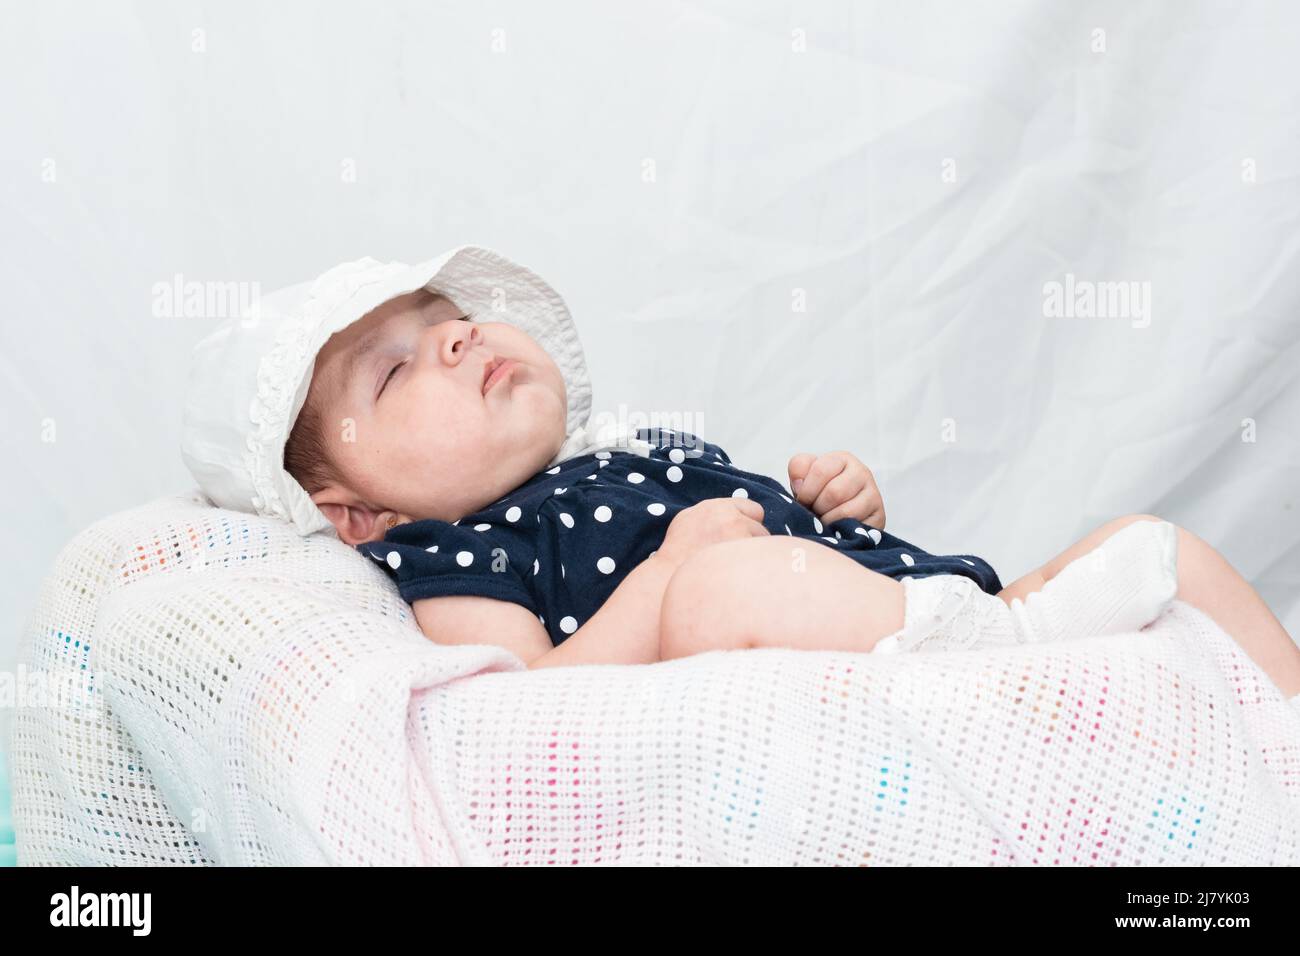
point(306, 455)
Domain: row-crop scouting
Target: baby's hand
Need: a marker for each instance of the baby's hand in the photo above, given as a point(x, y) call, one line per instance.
point(707, 522)
point(836, 485)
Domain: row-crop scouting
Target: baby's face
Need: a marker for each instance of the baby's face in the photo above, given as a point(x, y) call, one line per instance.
point(427, 440)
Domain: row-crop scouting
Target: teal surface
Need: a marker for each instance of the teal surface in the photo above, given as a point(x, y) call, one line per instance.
point(8, 852)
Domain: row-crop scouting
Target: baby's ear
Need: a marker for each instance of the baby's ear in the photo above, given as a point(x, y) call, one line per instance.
point(355, 523)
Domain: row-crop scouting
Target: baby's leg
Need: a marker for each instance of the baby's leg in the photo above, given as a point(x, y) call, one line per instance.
point(780, 591)
point(1121, 585)
point(1035, 579)
point(776, 591)
point(1204, 580)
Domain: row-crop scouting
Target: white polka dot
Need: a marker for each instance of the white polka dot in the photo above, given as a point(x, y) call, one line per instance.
point(553, 471)
point(971, 563)
point(605, 564)
point(560, 491)
point(655, 508)
point(542, 619)
point(568, 625)
point(394, 560)
point(827, 538)
point(677, 456)
point(592, 477)
point(536, 564)
point(602, 454)
point(861, 531)
point(788, 499)
point(464, 558)
point(603, 513)
point(838, 536)
point(514, 513)
point(482, 527)
point(432, 549)
point(740, 493)
point(817, 524)
point(674, 473)
point(788, 531)
point(561, 569)
point(375, 556)
point(566, 519)
point(635, 477)
point(907, 559)
point(874, 535)
point(457, 521)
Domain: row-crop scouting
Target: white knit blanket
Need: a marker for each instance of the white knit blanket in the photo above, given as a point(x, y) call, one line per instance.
point(261, 699)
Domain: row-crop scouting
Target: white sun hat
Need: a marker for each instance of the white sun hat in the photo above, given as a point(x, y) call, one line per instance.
point(249, 378)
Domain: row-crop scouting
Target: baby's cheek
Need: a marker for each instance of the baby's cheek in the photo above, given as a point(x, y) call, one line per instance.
point(378, 463)
point(414, 469)
point(395, 464)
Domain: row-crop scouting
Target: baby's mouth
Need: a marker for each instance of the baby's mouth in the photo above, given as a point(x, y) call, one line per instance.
point(495, 371)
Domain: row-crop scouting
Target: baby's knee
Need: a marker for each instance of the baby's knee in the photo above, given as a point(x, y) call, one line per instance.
point(1110, 527)
point(700, 607)
point(688, 611)
point(1127, 520)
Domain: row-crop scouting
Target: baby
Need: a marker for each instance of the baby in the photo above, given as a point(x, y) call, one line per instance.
point(429, 439)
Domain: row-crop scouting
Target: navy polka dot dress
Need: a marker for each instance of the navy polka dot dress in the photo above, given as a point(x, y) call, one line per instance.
point(563, 541)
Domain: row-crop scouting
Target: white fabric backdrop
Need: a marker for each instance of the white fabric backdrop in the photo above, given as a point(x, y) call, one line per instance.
point(685, 174)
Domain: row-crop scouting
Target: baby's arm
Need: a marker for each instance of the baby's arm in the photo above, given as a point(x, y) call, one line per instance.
point(626, 628)
point(624, 631)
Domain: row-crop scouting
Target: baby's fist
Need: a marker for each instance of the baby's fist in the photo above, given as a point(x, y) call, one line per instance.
point(837, 485)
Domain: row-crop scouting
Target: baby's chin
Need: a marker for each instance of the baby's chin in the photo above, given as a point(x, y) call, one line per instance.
point(525, 452)
point(514, 463)
point(536, 426)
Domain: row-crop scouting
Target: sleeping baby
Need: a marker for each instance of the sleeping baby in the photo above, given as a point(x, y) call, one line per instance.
point(435, 433)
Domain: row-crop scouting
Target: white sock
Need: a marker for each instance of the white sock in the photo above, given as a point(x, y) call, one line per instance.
point(1120, 586)
point(949, 612)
